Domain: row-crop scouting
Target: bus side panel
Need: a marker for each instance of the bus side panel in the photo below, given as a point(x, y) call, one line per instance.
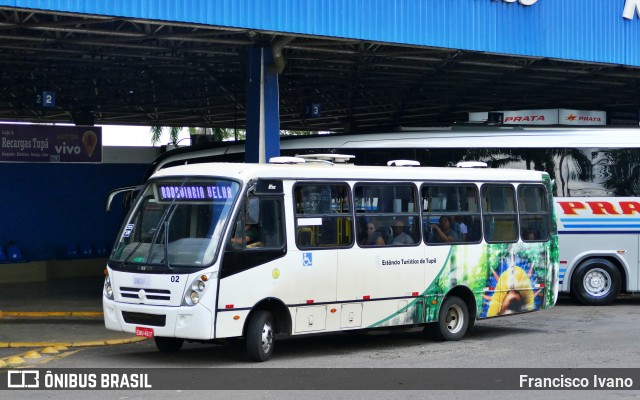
point(504, 278)
point(299, 278)
point(598, 227)
point(576, 248)
point(372, 275)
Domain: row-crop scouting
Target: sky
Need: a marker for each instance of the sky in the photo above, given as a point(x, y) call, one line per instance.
point(124, 135)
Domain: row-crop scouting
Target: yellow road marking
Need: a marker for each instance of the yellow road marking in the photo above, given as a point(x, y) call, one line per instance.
point(50, 314)
point(106, 342)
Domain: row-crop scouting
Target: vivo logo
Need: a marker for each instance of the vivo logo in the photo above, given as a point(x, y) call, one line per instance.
point(64, 149)
point(523, 2)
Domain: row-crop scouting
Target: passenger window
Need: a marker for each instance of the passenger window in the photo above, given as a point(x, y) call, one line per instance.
point(386, 215)
point(533, 213)
point(323, 215)
point(499, 213)
point(450, 214)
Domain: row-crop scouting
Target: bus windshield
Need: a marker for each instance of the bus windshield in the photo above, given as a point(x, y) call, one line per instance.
point(176, 222)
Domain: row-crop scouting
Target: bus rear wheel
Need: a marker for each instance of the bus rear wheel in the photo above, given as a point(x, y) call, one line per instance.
point(453, 320)
point(168, 344)
point(260, 336)
point(596, 282)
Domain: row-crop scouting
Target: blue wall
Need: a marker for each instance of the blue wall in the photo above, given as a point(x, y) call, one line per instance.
point(46, 206)
point(587, 30)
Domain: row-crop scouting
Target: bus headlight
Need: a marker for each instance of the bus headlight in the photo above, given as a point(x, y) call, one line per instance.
point(192, 297)
point(108, 290)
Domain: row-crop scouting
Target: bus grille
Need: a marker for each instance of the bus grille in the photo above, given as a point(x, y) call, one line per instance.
point(144, 319)
point(151, 294)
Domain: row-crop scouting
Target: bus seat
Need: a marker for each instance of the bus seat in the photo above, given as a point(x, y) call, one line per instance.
point(304, 237)
point(504, 231)
point(387, 234)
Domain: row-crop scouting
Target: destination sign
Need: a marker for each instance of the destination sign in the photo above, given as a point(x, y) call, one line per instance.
point(196, 192)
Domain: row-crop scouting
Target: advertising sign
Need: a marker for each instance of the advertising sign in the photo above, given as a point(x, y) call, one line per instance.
point(520, 117)
point(48, 143)
point(581, 117)
point(554, 116)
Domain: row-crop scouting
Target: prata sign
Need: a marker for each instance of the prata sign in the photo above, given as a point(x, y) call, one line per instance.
point(581, 117)
point(554, 116)
point(45, 143)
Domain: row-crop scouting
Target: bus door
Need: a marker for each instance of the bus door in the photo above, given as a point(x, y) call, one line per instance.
point(255, 248)
point(323, 228)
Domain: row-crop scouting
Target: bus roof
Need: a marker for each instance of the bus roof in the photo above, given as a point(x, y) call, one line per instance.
point(429, 138)
point(343, 172)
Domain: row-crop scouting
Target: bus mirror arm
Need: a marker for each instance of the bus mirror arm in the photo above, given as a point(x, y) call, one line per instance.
point(115, 192)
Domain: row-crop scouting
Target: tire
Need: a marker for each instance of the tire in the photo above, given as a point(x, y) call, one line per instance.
point(596, 282)
point(168, 344)
point(260, 336)
point(453, 321)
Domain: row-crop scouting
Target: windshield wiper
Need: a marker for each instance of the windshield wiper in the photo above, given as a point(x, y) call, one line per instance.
point(164, 222)
point(152, 231)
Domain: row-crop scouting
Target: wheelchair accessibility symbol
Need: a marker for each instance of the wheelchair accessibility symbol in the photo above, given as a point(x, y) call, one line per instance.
point(307, 260)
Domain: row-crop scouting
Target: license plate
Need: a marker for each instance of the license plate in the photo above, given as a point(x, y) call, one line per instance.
point(144, 332)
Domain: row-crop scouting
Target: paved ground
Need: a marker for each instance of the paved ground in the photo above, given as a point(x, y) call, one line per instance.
point(60, 311)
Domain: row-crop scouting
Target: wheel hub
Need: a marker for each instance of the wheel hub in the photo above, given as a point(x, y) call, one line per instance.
point(597, 282)
point(454, 319)
point(267, 337)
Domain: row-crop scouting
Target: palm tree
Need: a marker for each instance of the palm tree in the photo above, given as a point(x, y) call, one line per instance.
point(156, 132)
point(620, 171)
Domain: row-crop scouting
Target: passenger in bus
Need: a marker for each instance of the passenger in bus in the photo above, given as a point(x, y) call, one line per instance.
point(399, 235)
point(373, 237)
point(251, 237)
point(443, 232)
point(461, 228)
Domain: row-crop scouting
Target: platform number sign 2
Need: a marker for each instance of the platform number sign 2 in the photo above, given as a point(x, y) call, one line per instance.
point(47, 99)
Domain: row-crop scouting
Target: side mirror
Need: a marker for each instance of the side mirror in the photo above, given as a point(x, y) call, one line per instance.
point(129, 190)
point(253, 211)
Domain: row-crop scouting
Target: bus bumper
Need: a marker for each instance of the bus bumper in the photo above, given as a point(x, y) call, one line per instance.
point(185, 322)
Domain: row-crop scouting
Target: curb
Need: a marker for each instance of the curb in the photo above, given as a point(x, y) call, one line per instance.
point(50, 314)
point(106, 342)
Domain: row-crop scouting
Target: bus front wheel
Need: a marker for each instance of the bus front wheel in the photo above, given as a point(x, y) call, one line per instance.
point(168, 344)
point(596, 282)
point(453, 320)
point(260, 336)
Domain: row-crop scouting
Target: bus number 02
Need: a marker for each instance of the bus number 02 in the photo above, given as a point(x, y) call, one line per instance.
point(175, 278)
